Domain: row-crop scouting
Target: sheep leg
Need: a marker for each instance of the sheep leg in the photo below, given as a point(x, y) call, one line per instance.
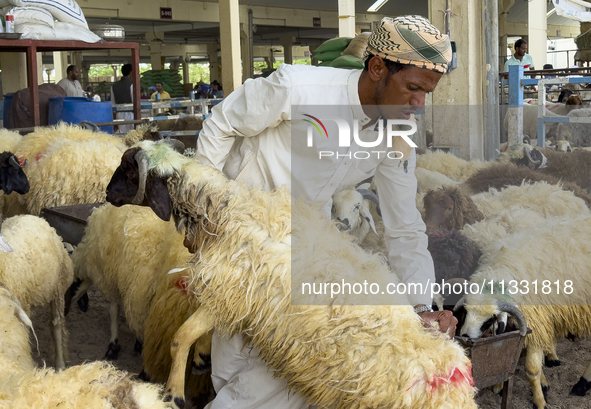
point(58, 331)
point(533, 369)
point(202, 357)
point(194, 327)
point(584, 384)
point(114, 347)
point(551, 358)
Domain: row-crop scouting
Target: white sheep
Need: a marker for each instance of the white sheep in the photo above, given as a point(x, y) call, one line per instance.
point(576, 133)
point(37, 272)
point(351, 210)
point(552, 310)
point(449, 165)
point(245, 242)
point(530, 120)
point(126, 253)
point(95, 385)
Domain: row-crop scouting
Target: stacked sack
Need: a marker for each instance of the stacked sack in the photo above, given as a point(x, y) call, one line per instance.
point(49, 20)
point(171, 81)
point(343, 52)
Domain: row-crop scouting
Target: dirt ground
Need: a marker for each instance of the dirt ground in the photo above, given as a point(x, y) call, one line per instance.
point(89, 337)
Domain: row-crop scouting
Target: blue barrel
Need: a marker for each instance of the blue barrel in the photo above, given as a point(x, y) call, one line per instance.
point(75, 110)
point(6, 107)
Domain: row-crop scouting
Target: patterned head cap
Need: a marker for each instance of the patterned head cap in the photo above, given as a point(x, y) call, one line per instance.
point(411, 40)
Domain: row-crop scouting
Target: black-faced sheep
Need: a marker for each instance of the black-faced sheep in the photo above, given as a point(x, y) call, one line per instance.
point(241, 274)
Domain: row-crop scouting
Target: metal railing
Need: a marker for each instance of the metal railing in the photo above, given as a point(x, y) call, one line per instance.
point(517, 82)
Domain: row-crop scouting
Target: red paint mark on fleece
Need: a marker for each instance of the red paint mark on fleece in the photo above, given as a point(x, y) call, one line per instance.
point(182, 284)
point(455, 377)
point(39, 156)
point(21, 161)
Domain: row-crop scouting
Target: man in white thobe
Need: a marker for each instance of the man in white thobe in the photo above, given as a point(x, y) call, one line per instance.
point(249, 137)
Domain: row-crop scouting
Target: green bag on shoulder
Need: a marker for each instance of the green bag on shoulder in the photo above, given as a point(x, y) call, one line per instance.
point(328, 55)
point(334, 44)
point(348, 61)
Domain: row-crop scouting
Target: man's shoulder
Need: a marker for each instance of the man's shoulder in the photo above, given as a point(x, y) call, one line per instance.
point(312, 75)
point(62, 82)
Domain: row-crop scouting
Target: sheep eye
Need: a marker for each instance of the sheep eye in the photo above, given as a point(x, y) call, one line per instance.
point(357, 207)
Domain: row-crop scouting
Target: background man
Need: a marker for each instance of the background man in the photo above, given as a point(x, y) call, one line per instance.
point(521, 57)
point(122, 93)
point(160, 90)
point(70, 84)
point(248, 137)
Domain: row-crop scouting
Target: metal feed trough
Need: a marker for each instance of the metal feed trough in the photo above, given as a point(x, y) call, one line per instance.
point(69, 221)
point(495, 358)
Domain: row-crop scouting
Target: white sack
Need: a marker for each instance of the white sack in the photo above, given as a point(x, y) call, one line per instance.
point(61, 32)
point(31, 15)
point(67, 11)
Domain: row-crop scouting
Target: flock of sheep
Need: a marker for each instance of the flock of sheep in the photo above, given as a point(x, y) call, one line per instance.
point(485, 220)
point(509, 219)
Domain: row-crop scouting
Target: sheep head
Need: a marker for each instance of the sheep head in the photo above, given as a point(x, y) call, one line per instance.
point(351, 211)
point(12, 176)
point(448, 208)
point(533, 159)
point(487, 316)
point(134, 183)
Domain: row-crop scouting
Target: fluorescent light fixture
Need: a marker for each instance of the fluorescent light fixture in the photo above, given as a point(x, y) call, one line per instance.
point(377, 5)
point(548, 14)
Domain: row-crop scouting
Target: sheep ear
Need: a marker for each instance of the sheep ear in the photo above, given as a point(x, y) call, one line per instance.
point(364, 212)
point(158, 198)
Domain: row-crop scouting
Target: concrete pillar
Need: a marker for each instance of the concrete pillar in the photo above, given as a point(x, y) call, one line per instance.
point(245, 44)
point(212, 52)
point(185, 69)
point(14, 72)
point(346, 18)
point(84, 70)
point(287, 43)
point(458, 117)
point(230, 45)
point(40, 68)
point(537, 32)
point(60, 64)
point(155, 40)
point(491, 80)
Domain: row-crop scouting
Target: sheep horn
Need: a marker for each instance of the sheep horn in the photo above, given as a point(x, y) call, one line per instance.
point(369, 195)
point(90, 125)
point(368, 180)
point(515, 312)
point(459, 304)
point(175, 143)
point(14, 162)
point(142, 163)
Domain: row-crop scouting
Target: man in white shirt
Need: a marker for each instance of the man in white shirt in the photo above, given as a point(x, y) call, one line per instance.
point(249, 137)
point(521, 57)
point(70, 84)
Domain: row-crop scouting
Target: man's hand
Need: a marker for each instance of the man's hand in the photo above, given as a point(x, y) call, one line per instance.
point(447, 322)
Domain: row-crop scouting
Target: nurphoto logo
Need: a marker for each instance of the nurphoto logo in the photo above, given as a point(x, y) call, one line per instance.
point(391, 131)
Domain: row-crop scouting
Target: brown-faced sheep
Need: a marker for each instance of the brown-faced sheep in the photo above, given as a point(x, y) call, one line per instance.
point(449, 208)
point(501, 175)
point(452, 209)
